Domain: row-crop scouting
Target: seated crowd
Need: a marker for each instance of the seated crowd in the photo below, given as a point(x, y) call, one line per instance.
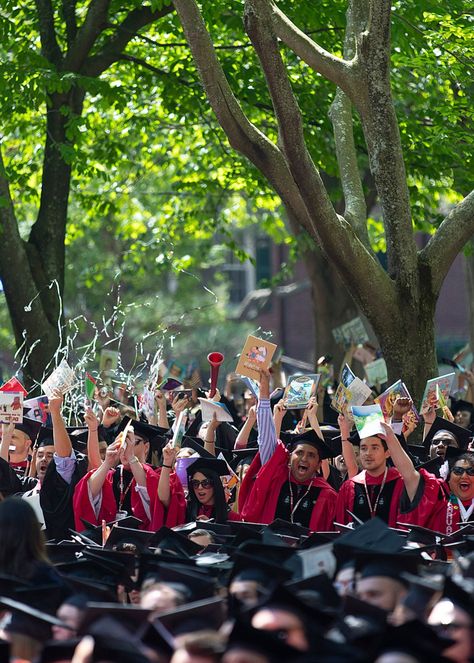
point(280, 535)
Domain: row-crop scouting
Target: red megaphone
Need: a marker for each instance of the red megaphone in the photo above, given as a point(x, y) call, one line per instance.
point(215, 359)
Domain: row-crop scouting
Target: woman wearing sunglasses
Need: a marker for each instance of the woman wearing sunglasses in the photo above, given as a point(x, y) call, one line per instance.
point(206, 498)
point(457, 507)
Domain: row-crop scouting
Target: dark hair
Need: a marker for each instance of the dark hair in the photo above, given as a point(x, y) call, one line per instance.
point(220, 505)
point(468, 456)
point(382, 440)
point(22, 541)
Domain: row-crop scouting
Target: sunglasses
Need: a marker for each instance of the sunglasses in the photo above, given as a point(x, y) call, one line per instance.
point(205, 483)
point(459, 471)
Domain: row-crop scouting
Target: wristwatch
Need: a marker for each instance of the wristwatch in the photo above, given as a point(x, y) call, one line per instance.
point(133, 460)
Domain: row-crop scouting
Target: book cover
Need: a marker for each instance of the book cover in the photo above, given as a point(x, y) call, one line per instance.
point(376, 372)
point(368, 420)
point(256, 354)
point(443, 384)
point(299, 390)
point(209, 408)
point(11, 407)
point(61, 378)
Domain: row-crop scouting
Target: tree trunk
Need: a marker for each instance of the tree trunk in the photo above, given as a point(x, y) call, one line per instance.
point(332, 304)
point(469, 267)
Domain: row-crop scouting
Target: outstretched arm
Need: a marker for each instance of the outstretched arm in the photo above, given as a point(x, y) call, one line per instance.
point(401, 460)
point(347, 450)
point(169, 457)
point(266, 439)
point(244, 433)
point(62, 443)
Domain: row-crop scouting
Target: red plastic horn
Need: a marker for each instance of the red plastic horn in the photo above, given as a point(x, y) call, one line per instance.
point(215, 359)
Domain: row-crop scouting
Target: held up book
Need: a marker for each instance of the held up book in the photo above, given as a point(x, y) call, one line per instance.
point(368, 420)
point(388, 398)
point(257, 354)
point(61, 378)
point(299, 390)
point(443, 384)
point(209, 407)
point(11, 407)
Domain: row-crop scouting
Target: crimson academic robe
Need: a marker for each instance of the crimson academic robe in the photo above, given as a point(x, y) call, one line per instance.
point(439, 514)
point(175, 514)
point(108, 508)
point(417, 512)
point(260, 491)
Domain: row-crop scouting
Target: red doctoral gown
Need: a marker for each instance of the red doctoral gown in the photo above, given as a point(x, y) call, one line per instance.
point(260, 490)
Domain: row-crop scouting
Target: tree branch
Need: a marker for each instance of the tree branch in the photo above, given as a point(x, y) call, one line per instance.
point(49, 45)
point(94, 23)
point(341, 118)
point(114, 47)
point(452, 235)
point(382, 137)
point(337, 239)
point(335, 69)
point(68, 8)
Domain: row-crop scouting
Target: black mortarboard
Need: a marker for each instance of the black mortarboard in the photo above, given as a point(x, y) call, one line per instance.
point(29, 427)
point(463, 596)
point(284, 527)
point(120, 535)
point(196, 584)
point(418, 451)
point(246, 638)
point(106, 573)
point(307, 437)
point(29, 619)
point(78, 437)
point(195, 616)
point(156, 637)
point(417, 639)
point(373, 535)
point(283, 597)
point(422, 535)
point(251, 567)
point(214, 464)
point(197, 445)
point(390, 565)
point(93, 591)
point(155, 435)
point(432, 466)
point(320, 586)
point(44, 437)
point(460, 405)
point(243, 457)
point(58, 651)
point(63, 552)
point(130, 616)
point(461, 434)
point(168, 540)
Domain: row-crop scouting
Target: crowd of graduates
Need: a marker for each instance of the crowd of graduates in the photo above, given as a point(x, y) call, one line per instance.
point(281, 535)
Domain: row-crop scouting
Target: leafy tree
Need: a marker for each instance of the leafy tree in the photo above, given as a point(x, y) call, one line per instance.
point(398, 300)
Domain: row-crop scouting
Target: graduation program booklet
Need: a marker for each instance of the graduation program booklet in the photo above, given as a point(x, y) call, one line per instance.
point(443, 384)
point(257, 354)
point(376, 372)
point(209, 407)
point(368, 420)
point(299, 390)
point(389, 396)
point(61, 378)
point(351, 391)
point(11, 407)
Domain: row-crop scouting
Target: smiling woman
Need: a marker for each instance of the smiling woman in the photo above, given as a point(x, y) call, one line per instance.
point(456, 505)
point(206, 498)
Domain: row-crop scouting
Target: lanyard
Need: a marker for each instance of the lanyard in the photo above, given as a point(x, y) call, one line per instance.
point(373, 510)
point(293, 508)
point(123, 494)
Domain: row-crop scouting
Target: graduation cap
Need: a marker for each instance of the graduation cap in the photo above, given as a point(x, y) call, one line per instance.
point(418, 451)
point(156, 637)
point(461, 405)
point(216, 465)
point(196, 616)
point(307, 437)
point(374, 535)
point(64, 551)
point(243, 457)
point(284, 598)
point(93, 591)
point(462, 435)
point(284, 527)
point(58, 651)
point(29, 427)
point(320, 586)
point(28, 619)
point(197, 445)
point(44, 437)
point(244, 637)
point(129, 616)
point(422, 535)
point(154, 435)
point(258, 569)
point(416, 639)
point(171, 541)
point(121, 535)
point(463, 597)
point(193, 582)
point(106, 573)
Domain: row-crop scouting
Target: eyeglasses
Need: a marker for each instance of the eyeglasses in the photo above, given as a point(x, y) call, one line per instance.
point(459, 471)
point(205, 483)
point(445, 441)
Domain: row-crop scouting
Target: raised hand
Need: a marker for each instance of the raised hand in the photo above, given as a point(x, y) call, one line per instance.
point(428, 412)
point(55, 402)
point(344, 426)
point(264, 383)
point(91, 420)
point(112, 455)
point(252, 414)
point(401, 406)
point(179, 404)
point(169, 455)
point(110, 417)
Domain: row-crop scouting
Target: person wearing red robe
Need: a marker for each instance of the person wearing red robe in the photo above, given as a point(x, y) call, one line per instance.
point(397, 494)
point(283, 483)
point(123, 485)
point(455, 505)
